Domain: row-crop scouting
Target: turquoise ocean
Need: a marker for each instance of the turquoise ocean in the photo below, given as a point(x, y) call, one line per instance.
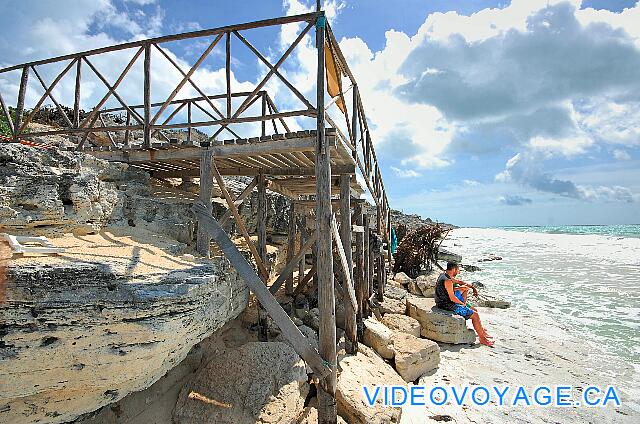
point(587, 277)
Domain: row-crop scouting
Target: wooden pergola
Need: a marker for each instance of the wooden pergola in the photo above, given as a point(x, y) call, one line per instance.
point(316, 168)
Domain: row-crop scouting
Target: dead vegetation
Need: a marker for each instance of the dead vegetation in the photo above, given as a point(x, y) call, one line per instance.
point(418, 250)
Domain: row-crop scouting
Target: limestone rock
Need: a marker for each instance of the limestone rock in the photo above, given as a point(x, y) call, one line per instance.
point(395, 292)
point(259, 382)
point(489, 301)
point(402, 278)
point(365, 368)
point(437, 324)
point(79, 334)
point(378, 337)
point(414, 356)
point(392, 306)
point(426, 284)
point(402, 323)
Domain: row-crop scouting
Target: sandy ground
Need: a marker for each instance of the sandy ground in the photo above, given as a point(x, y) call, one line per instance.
point(529, 351)
point(136, 252)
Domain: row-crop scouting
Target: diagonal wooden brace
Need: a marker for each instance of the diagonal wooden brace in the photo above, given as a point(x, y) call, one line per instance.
point(264, 296)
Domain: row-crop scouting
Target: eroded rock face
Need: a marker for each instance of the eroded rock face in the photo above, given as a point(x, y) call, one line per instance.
point(365, 368)
point(437, 324)
point(402, 323)
point(392, 306)
point(414, 356)
point(259, 382)
point(78, 335)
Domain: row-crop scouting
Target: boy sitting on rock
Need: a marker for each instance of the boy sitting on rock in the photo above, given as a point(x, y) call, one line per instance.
point(455, 300)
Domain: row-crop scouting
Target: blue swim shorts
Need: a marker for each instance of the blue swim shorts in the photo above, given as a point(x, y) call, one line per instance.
point(463, 311)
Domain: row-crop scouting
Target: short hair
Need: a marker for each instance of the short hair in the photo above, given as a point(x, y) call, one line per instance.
point(451, 265)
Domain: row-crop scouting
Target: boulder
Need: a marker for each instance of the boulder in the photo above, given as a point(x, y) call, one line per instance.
point(402, 278)
point(414, 356)
point(402, 323)
point(259, 382)
point(365, 369)
point(378, 337)
point(109, 317)
point(489, 301)
point(437, 324)
point(426, 284)
point(395, 292)
point(392, 306)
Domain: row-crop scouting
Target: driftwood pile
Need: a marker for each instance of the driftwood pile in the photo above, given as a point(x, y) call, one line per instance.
point(418, 250)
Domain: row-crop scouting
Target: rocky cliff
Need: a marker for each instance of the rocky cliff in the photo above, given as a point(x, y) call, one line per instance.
point(122, 305)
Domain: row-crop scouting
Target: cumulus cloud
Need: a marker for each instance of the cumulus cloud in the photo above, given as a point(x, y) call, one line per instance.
point(526, 169)
point(514, 200)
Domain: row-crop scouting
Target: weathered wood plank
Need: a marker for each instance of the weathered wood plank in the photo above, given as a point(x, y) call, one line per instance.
point(347, 264)
point(203, 240)
point(291, 239)
point(264, 296)
point(292, 264)
point(262, 250)
point(243, 229)
point(343, 262)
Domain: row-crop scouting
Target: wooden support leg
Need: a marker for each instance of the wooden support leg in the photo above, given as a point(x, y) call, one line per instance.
point(302, 264)
point(327, 411)
point(262, 250)
point(289, 330)
point(345, 235)
point(291, 238)
point(359, 279)
point(368, 263)
point(203, 240)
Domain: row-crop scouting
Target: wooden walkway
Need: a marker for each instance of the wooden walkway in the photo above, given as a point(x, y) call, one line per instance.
point(325, 169)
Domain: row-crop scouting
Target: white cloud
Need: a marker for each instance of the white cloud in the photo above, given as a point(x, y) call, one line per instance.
point(526, 169)
point(621, 155)
point(405, 173)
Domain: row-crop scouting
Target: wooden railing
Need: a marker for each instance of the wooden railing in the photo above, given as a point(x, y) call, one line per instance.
point(154, 118)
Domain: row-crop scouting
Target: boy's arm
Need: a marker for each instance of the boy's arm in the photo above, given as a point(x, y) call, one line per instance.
point(448, 284)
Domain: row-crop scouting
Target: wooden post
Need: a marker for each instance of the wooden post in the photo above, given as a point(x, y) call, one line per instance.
point(354, 123)
point(370, 263)
point(291, 241)
point(262, 249)
point(327, 412)
point(228, 72)
point(76, 102)
point(263, 123)
point(359, 279)
point(24, 80)
point(203, 240)
point(147, 96)
point(302, 264)
point(189, 122)
point(345, 235)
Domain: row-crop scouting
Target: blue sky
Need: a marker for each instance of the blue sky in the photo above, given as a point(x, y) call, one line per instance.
point(484, 113)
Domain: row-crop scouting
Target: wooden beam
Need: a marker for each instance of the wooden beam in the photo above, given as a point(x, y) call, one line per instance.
point(239, 223)
point(309, 17)
point(249, 171)
point(301, 144)
point(228, 71)
point(300, 343)
point(147, 96)
point(302, 284)
point(7, 115)
point(203, 240)
point(358, 273)
point(350, 309)
point(303, 233)
point(291, 239)
point(327, 411)
point(243, 195)
point(368, 265)
point(262, 250)
point(185, 78)
point(76, 95)
point(50, 95)
point(292, 264)
point(351, 295)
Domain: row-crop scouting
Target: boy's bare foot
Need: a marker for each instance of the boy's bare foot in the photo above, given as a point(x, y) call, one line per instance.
point(486, 342)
